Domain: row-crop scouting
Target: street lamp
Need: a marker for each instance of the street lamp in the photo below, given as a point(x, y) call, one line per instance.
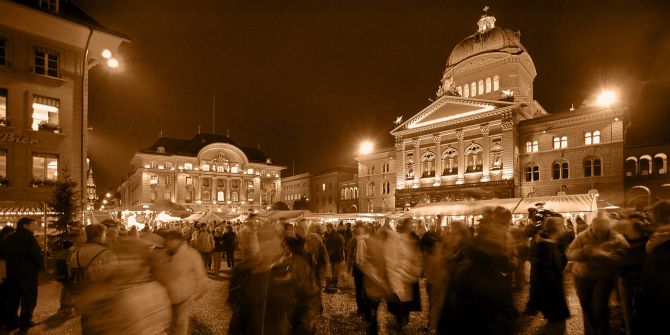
point(366, 147)
point(606, 98)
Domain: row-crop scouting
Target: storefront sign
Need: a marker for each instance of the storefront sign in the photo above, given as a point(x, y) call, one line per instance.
point(13, 138)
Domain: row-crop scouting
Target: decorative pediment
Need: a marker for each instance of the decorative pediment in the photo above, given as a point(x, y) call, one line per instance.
point(446, 109)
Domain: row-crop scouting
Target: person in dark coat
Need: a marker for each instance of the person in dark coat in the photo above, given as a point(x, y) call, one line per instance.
point(24, 261)
point(655, 294)
point(334, 242)
point(3, 276)
point(550, 264)
point(229, 239)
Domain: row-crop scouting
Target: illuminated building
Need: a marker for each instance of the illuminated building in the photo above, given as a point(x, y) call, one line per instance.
point(485, 137)
point(44, 94)
point(207, 172)
point(295, 188)
point(377, 181)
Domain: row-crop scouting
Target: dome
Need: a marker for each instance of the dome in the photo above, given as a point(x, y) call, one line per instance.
point(490, 39)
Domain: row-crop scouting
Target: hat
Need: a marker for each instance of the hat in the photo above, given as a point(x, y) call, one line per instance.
point(109, 223)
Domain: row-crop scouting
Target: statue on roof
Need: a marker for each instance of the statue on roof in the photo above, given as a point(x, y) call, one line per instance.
point(448, 87)
point(486, 22)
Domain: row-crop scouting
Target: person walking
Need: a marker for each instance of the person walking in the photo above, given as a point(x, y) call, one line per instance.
point(596, 252)
point(219, 249)
point(229, 239)
point(550, 262)
point(23, 258)
point(203, 241)
point(182, 271)
point(655, 290)
point(335, 246)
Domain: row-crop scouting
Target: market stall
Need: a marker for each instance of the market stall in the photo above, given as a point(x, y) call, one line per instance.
point(283, 215)
point(347, 217)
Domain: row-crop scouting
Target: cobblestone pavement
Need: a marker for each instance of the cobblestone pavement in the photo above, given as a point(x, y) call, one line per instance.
point(211, 315)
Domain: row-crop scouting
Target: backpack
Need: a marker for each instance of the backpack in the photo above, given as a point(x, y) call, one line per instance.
point(79, 279)
point(203, 242)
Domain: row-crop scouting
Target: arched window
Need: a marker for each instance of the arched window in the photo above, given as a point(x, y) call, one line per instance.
point(495, 156)
point(536, 146)
point(560, 170)
point(557, 142)
point(449, 161)
point(532, 172)
point(481, 87)
point(409, 166)
point(355, 192)
point(587, 138)
point(631, 166)
point(488, 84)
point(473, 89)
point(371, 189)
point(529, 147)
point(592, 167)
point(645, 165)
point(220, 196)
point(661, 163)
point(466, 91)
point(234, 196)
point(496, 82)
point(596, 137)
point(428, 164)
point(473, 158)
point(564, 142)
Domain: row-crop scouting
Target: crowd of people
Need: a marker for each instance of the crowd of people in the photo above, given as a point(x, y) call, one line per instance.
point(144, 282)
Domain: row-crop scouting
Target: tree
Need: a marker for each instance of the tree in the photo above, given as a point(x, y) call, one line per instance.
point(280, 206)
point(303, 203)
point(64, 203)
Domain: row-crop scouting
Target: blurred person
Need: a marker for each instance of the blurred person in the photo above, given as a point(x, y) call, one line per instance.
point(219, 249)
point(91, 268)
point(596, 253)
point(23, 259)
point(434, 260)
point(655, 289)
point(522, 248)
point(580, 225)
point(133, 231)
point(181, 270)
point(69, 242)
point(229, 239)
point(550, 262)
point(479, 295)
point(635, 230)
point(317, 254)
point(3, 277)
point(249, 243)
point(112, 233)
point(357, 251)
point(404, 269)
point(203, 242)
point(335, 246)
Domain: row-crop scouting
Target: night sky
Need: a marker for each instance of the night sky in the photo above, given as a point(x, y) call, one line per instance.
point(308, 80)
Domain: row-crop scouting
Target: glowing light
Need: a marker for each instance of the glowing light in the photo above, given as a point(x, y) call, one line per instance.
point(113, 63)
point(606, 98)
point(366, 148)
point(106, 54)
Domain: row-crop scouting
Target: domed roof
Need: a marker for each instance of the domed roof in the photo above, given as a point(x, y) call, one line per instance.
point(488, 39)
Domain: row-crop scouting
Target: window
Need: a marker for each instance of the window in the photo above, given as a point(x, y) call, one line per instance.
point(588, 140)
point(428, 165)
point(488, 84)
point(473, 89)
point(532, 173)
point(153, 164)
point(371, 189)
point(234, 168)
point(153, 179)
point(596, 137)
point(536, 146)
point(206, 196)
point(473, 158)
point(168, 180)
point(206, 182)
point(250, 195)
point(204, 167)
point(3, 51)
point(557, 143)
point(235, 183)
point(188, 166)
point(323, 187)
point(50, 5)
point(592, 167)
point(45, 167)
point(631, 166)
point(221, 182)
point(660, 163)
point(46, 63)
point(481, 87)
point(466, 91)
point(529, 147)
point(564, 142)
point(560, 142)
point(645, 165)
point(189, 181)
point(45, 111)
point(496, 82)
point(386, 188)
point(330, 200)
point(189, 195)
point(450, 161)
point(560, 170)
point(3, 163)
point(234, 196)
point(3, 106)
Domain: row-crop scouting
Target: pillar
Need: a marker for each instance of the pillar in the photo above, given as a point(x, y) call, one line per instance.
point(508, 142)
point(400, 164)
point(417, 163)
point(438, 160)
point(461, 157)
point(486, 153)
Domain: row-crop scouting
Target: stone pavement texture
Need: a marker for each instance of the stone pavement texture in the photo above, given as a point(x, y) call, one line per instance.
point(211, 315)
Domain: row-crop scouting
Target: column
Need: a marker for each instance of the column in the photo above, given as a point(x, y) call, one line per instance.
point(508, 141)
point(486, 154)
point(438, 160)
point(461, 157)
point(417, 162)
point(227, 195)
point(400, 165)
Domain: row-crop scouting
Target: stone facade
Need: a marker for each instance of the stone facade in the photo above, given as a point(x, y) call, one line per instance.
point(646, 174)
point(295, 188)
point(325, 192)
point(377, 181)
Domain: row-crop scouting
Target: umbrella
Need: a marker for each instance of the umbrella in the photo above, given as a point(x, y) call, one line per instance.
point(559, 203)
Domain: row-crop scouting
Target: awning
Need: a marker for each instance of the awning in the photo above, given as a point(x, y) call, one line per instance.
point(460, 208)
point(288, 215)
point(559, 203)
point(15, 208)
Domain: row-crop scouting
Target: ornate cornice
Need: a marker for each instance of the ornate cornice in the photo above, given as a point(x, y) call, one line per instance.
point(457, 122)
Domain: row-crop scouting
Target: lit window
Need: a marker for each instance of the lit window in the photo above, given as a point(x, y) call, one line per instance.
point(3, 163)
point(169, 165)
point(596, 137)
point(50, 5)
point(496, 82)
point(323, 187)
point(153, 180)
point(234, 196)
point(3, 107)
point(46, 63)
point(45, 167)
point(3, 51)
point(660, 163)
point(557, 143)
point(250, 195)
point(473, 89)
point(153, 165)
point(45, 113)
point(466, 91)
point(481, 87)
point(564, 142)
point(536, 146)
point(588, 140)
point(204, 167)
point(234, 169)
point(189, 181)
point(488, 84)
point(188, 166)
point(529, 147)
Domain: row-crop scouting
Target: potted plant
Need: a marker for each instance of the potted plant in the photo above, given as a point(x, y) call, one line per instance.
point(46, 126)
